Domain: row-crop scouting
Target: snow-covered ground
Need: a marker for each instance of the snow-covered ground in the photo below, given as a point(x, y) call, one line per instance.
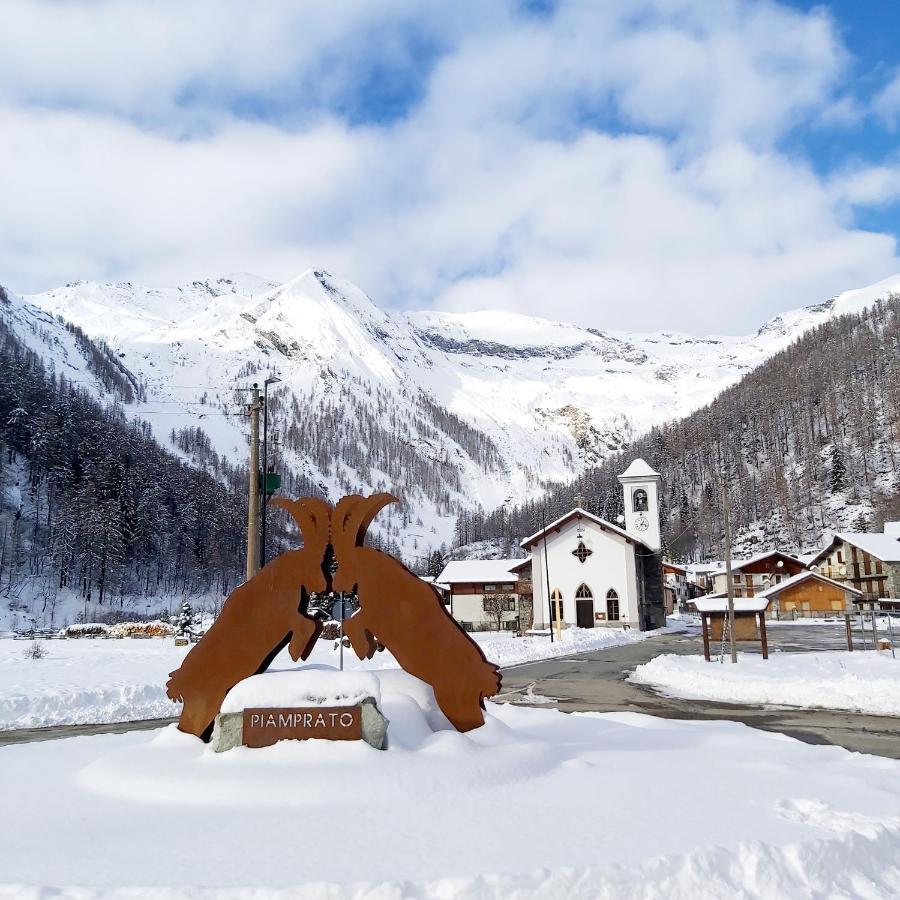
point(862, 681)
point(536, 803)
point(94, 681)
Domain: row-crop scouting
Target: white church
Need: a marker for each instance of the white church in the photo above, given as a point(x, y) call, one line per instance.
point(600, 574)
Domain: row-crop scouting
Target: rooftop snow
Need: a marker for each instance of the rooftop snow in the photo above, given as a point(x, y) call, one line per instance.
point(639, 469)
point(803, 576)
point(478, 570)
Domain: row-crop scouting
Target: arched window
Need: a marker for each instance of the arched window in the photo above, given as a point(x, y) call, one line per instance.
point(639, 500)
point(612, 606)
point(556, 601)
point(583, 591)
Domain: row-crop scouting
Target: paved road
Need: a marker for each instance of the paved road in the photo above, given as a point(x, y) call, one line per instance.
point(595, 682)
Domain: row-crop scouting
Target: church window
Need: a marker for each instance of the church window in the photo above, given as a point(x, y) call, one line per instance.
point(639, 500)
point(583, 591)
point(612, 606)
point(581, 553)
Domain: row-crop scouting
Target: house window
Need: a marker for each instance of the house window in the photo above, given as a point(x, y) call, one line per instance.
point(509, 587)
point(639, 500)
point(612, 606)
point(581, 553)
point(556, 606)
point(583, 591)
point(840, 556)
point(511, 626)
point(511, 604)
point(467, 626)
point(490, 587)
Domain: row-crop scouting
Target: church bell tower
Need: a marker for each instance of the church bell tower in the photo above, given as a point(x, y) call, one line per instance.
point(641, 488)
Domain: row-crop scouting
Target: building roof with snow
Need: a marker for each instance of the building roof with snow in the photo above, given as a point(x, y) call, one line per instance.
point(639, 469)
point(478, 571)
point(885, 546)
point(579, 513)
point(738, 564)
point(776, 589)
point(719, 603)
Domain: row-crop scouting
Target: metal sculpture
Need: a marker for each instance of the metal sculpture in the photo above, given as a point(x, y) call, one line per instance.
point(257, 620)
point(396, 609)
point(408, 616)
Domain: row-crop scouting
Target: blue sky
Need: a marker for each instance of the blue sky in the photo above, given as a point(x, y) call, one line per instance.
point(671, 164)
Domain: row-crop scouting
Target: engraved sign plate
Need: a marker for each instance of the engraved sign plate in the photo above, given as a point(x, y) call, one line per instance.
point(263, 727)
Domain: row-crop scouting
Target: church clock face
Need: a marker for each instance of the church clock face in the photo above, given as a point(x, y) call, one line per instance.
point(642, 523)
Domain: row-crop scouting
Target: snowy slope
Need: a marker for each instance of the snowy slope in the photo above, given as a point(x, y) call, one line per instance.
point(447, 410)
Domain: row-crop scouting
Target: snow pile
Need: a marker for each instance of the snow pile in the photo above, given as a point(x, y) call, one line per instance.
point(535, 803)
point(85, 681)
point(310, 685)
point(504, 649)
point(865, 682)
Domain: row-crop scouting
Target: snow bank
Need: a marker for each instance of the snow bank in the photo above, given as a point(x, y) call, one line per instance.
point(316, 685)
point(866, 682)
point(504, 649)
point(536, 803)
point(97, 681)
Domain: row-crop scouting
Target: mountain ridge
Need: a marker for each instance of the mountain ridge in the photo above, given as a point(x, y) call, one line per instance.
point(487, 407)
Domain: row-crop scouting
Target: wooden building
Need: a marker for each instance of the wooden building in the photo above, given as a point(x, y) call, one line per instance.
point(810, 592)
point(750, 576)
point(749, 620)
point(870, 563)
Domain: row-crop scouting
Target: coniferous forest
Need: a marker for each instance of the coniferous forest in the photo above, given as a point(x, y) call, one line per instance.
point(806, 444)
point(93, 504)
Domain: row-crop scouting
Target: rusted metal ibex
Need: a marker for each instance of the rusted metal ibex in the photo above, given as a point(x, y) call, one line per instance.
point(258, 619)
point(403, 612)
point(408, 616)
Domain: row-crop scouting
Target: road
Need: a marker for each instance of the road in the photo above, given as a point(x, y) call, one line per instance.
point(595, 682)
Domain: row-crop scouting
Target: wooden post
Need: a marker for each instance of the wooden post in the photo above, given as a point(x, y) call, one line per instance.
point(705, 635)
point(729, 582)
point(762, 634)
point(849, 632)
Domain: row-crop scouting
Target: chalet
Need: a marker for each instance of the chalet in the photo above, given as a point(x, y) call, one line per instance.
point(810, 592)
point(753, 575)
point(482, 592)
point(870, 563)
point(594, 573)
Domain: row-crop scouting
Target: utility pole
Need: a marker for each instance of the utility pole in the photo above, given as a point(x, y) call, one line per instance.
point(253, 487)
point(264, 487)
point(729, 584)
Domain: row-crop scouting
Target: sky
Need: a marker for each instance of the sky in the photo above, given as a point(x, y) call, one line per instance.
point(698, 165)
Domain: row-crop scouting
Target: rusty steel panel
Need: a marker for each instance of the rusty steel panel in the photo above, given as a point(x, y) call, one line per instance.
point(397, 610)
point(264, 727)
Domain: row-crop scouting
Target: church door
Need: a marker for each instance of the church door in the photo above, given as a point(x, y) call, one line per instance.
point(584, 607)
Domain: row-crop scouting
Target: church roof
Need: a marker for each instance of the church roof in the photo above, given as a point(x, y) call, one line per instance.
point(579, 513)
point(639, 469)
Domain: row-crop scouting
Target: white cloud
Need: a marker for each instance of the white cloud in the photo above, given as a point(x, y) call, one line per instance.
point(886, 103)
point(614, 164)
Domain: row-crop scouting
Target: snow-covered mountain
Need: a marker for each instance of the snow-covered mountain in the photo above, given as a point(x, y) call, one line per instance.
point(449, 411)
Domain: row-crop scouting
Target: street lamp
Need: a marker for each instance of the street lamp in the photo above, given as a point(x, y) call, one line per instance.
point(272, 379)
